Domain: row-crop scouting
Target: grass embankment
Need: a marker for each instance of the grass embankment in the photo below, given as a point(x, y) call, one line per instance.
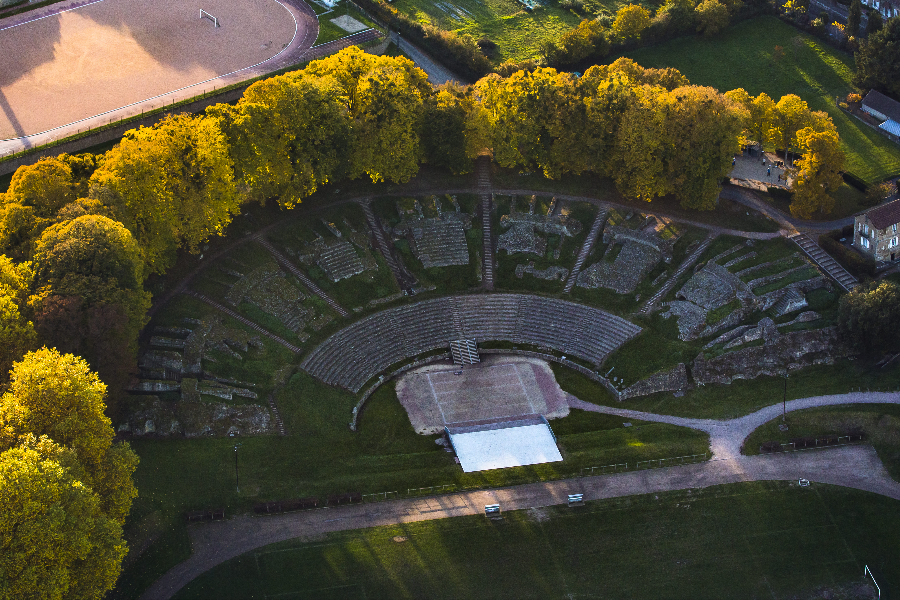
point(880, 423)
point(746, 56)
point(773, 539)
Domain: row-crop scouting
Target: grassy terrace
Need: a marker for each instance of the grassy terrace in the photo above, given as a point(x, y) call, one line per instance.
point(745, 56)
point(748, 540)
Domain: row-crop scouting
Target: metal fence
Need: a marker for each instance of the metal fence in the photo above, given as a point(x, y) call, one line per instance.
point(811, 443)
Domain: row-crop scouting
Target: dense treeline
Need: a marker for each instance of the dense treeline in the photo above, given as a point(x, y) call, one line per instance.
point(79, 235)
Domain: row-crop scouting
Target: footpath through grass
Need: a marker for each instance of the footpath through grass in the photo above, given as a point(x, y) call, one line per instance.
point(747, 540)
point(746, 56)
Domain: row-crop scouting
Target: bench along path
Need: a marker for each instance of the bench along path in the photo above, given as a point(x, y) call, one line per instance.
point(483, 172)
point(586, 249)
point(825, 262)
point(684, 266)
point(727, 437)
point(212, 544)
point(242, 319)
point(287, 264)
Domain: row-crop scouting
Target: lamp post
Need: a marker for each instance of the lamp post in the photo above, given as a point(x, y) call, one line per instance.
point(237, 476)
point(783, 426)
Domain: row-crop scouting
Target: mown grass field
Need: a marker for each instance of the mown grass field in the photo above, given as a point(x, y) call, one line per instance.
point(745, 56)
point(748, 540)
point(518, 33)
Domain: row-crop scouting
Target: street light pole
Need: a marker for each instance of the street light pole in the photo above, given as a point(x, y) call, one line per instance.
point(237, 476)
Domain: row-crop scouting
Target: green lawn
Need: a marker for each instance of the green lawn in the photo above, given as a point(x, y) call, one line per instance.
point(328, 31)
point(743, 56)
point(747, 540)
point(879, 422)
point(518, 33)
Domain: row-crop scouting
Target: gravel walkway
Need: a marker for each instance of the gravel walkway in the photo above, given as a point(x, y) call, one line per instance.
point(855, 467)
point(727, 437)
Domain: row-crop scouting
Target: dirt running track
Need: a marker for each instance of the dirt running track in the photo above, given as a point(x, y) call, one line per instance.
point(83, 63)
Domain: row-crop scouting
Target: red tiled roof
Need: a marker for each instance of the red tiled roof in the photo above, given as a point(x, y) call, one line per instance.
point(885, 215)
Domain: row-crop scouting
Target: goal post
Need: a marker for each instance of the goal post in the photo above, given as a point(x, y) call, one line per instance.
point(206, 15)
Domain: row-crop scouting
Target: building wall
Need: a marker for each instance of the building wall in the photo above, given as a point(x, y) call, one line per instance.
point(880, 244)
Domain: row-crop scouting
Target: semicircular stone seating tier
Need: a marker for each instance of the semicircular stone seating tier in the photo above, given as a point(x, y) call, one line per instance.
point(360, 351)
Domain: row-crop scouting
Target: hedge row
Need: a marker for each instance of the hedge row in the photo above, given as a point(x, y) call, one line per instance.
point(853, 261)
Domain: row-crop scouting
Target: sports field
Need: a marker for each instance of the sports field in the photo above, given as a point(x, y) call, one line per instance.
point(442, 394)
point(750, 540)
point(112, 53)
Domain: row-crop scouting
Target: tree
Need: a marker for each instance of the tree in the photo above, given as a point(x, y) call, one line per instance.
point(17, 335)
point(854, 17)
point(57, 542)
point(703, 128)
point(88, 297)
point(791, 115)
point(869, 318)
point(878, 59)
point(641, 150)
point(171, 185)
point(712, 17)
point(818, 173)
point(677, 16)
point(58, 396)
point(287, 136)
point(874, 23)
point(631, 21)
point(385, 102)
point(46, 186)
point(444, 136)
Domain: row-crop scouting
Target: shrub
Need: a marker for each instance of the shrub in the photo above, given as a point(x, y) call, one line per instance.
point(575, 5)
point(880, 192)
point(854, 98)
point(855, 181)
point(853, 261)
point(779, 193)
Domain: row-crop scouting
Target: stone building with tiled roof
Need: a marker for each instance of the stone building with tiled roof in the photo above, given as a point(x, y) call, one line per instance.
point(876, 232)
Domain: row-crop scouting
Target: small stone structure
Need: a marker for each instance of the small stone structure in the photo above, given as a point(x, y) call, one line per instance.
point(150, 416)
point(523, 228)
point(438, 241)
point(778, 352)
point(550, 273)
point(672, 380)
point(342, 256)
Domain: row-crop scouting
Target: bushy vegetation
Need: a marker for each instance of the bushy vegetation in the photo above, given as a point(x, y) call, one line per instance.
point(859, 265)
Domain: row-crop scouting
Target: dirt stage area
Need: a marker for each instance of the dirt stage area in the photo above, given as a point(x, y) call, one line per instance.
point(502, 386)
point(112, 53)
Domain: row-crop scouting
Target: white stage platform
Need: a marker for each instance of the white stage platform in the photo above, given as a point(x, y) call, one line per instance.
point(498, 444)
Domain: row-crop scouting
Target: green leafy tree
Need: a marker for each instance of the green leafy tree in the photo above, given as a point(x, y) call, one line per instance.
point(712, 17)
point(57, 542)
point(818, 173)
point(385, 101)
point(88, 296)
point(46, 186)
point(631, 21)
point(17, 335)
point(288, 135)
point(172, 185)
point(854, 17)
point(869, 318)
point(874, 22)
point(878, 59)
point(444, 133)
point(58, 396)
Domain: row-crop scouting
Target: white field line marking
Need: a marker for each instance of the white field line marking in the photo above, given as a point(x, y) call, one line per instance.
point(52, 15)
point(513, 387)
point(434, 395)
point(524, 391)
point(187, 87)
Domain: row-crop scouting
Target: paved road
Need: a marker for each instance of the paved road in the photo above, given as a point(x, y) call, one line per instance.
point(305, 34)
point(437, 73)
point(727, 437)
point(849, 466)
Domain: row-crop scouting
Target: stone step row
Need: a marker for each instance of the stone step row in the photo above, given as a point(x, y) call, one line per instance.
point(384, 247)
point(825, 262)
point(684, 266)
point(359, 352)
point(585, 250)
point(242, 319)
point(306, 281)
point(483, 176)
